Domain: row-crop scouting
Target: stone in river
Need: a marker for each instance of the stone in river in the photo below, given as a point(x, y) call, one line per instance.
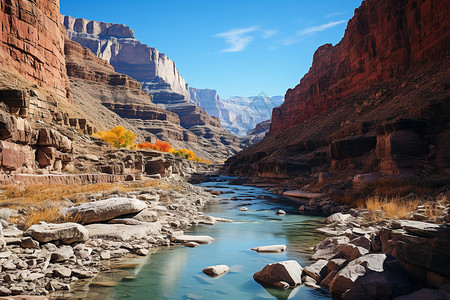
point(317, 270)
point(216, 270)
point(270, 249)
point(243, 209)
point(288, 271)
point(201, 239)
point(281, 212)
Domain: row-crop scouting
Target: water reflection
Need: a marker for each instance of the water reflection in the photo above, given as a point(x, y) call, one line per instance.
point(176, 273)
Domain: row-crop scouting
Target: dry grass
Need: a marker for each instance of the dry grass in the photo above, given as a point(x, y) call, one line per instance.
point(44, 201)
point(49, 215)
point(392, 208)
point(435, 210)
point(398, 208)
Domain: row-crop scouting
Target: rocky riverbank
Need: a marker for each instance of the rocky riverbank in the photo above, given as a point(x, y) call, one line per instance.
point(51, 257)
point(381, 260)
point(368, 255)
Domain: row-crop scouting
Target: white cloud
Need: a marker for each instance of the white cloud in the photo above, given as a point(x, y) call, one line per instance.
point(334, 14)
point(322, 27)
point(238, 39)
point(268, 33)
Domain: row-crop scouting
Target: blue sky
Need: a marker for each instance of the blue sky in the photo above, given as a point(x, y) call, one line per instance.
point(239, 48)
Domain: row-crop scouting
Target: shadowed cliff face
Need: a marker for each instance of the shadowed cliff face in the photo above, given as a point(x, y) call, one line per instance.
point(375, 102)
point(383, 41)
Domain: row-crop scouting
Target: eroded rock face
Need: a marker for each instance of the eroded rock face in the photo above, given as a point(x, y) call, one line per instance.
point(384, 40)
point(32, 43)
point(98, 87)
point(362, 107)
point(422, 247)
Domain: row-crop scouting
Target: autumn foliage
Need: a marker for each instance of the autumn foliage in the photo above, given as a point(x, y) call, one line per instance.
point(118, 137)
point(158, 146)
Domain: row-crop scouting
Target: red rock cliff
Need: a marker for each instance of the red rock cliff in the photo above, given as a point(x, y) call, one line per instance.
point(384, 40)
point(32, 42)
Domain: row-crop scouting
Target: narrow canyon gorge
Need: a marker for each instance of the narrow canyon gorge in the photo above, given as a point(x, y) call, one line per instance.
point(120, 180)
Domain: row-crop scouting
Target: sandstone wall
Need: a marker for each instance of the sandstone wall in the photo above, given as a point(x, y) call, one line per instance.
point(32, 43)
point(383, 41)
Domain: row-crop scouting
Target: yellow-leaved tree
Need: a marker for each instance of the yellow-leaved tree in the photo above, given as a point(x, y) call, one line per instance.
point(118, 137)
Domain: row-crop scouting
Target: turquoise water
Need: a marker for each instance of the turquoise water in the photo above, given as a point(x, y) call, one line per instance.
point(176, 273)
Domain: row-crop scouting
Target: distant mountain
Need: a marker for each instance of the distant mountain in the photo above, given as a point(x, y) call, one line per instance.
point(238, 115)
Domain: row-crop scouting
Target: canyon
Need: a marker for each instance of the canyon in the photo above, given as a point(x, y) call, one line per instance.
point(238, 115)
point(159, 78)
point(375, 102)
point(369, 120)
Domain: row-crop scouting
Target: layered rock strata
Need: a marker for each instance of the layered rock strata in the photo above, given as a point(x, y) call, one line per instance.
point(373, 103)
point(32, 43)
point(382, 42)
point(117, 44)
point(159, 77)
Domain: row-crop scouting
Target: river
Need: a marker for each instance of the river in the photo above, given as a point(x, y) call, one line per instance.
point(176, 272)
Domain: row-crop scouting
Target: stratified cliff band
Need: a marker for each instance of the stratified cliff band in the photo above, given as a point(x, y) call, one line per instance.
point(376, 102)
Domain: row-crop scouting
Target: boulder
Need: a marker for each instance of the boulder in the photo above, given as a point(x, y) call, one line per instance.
point(380, 285)
point(336, 264)
point(123, 232)
point(339, 218)
point(61, 254)
point(280, 212)
point(104, 210)
point(328, 279)
point(147, 215)
point(28, 242)
point(420, 244)
point(288, 271)
point(317, 270)
point(270, 249)
point(326, 249)
point(362, 242)
point(207, 220)
point(216, 270)
point(61, 271)
point(345, 279)
point(350, 251)
point(66, 232)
